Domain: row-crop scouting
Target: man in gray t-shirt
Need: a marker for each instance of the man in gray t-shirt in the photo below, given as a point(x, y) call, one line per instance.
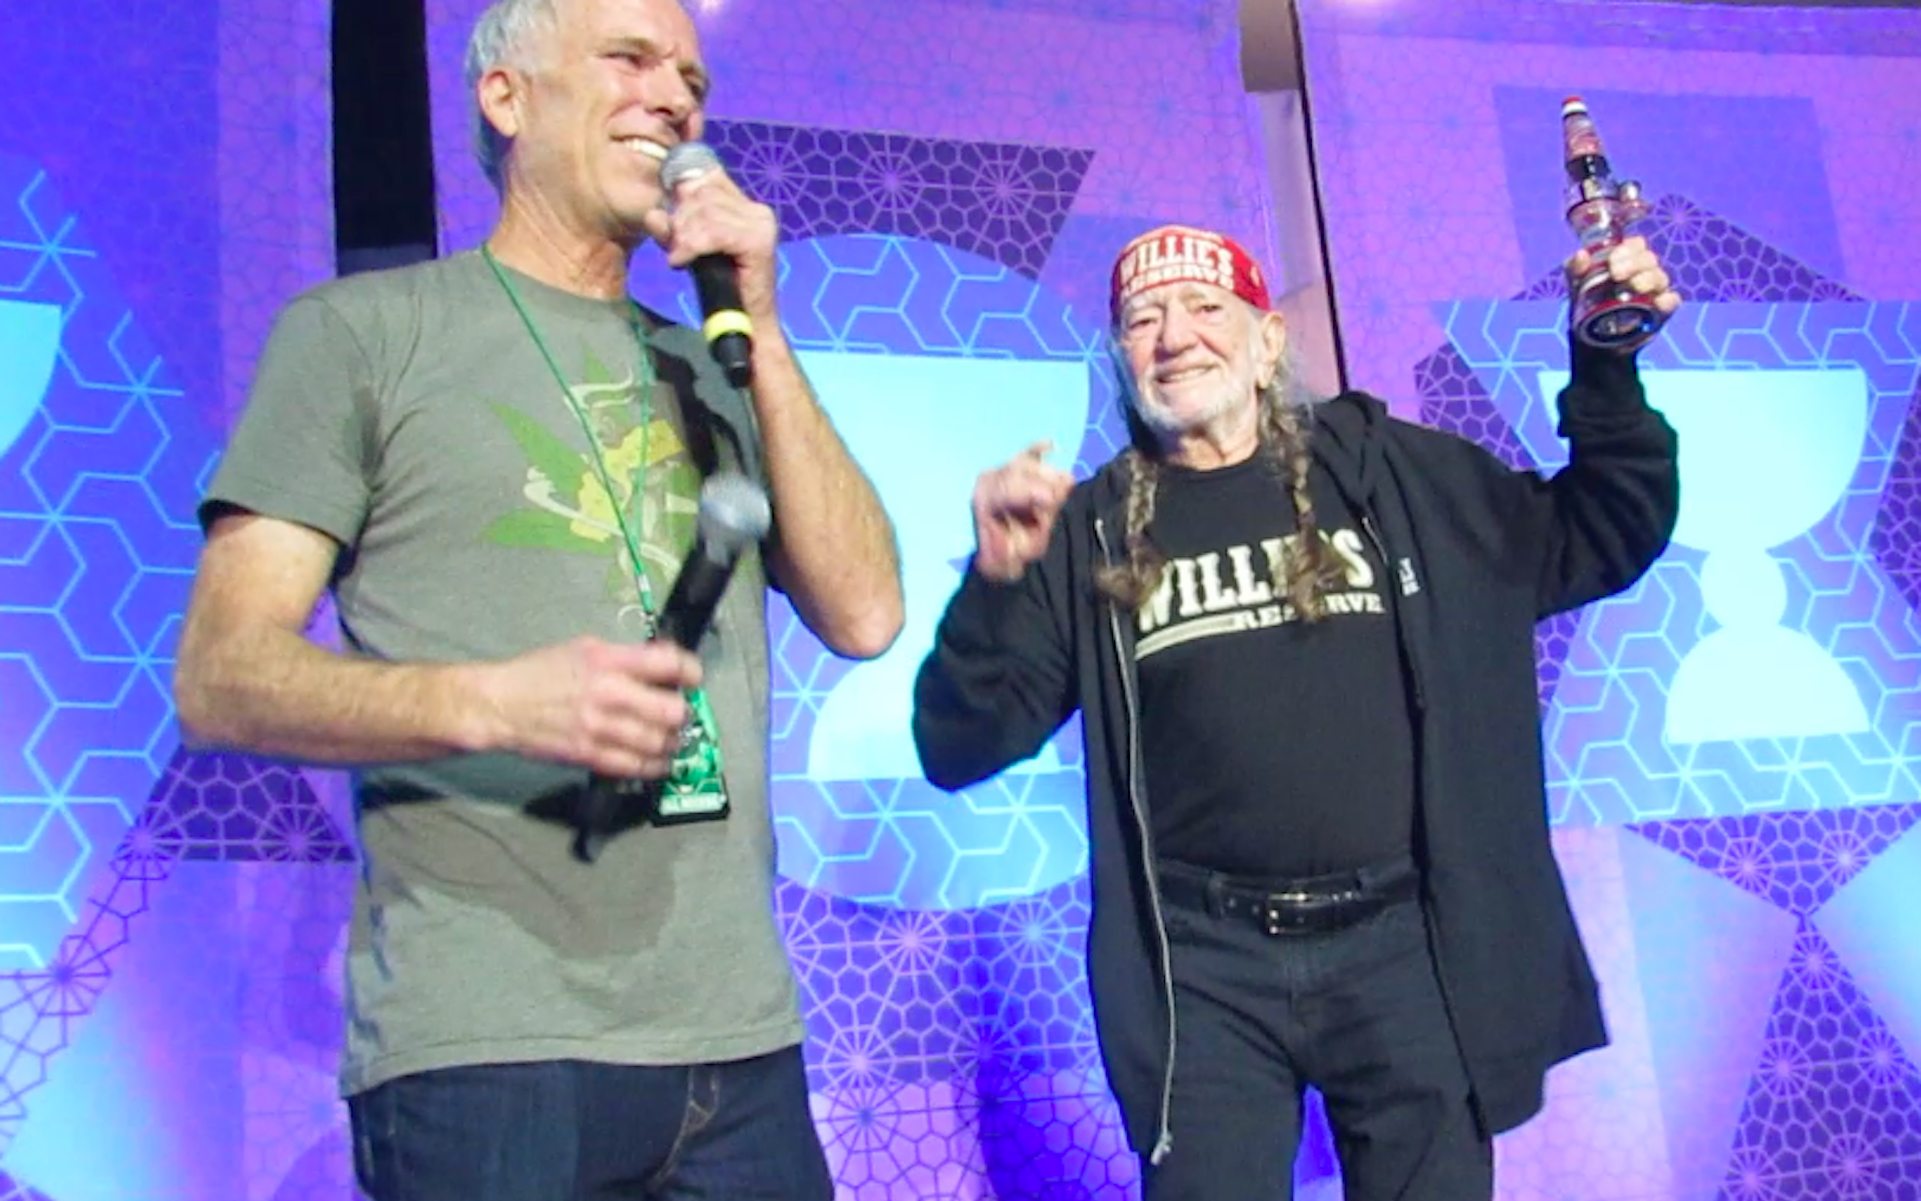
point(494, 461)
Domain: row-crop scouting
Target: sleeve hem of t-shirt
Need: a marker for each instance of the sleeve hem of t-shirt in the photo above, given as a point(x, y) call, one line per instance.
point(281, 503)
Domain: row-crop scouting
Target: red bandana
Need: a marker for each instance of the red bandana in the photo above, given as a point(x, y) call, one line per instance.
point(1180, 254)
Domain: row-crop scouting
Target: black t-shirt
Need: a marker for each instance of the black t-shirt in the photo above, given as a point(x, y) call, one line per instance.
point(1275, 748)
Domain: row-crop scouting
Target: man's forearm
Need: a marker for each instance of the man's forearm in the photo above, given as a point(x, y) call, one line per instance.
point(273, 693)
point(839, 563)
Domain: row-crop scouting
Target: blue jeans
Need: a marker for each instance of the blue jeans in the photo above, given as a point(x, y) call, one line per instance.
point(574, 1131)
point(1355, 1012)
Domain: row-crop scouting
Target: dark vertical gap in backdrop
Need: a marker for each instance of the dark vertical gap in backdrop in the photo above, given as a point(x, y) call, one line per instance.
point(383, 140)
point(1320, 202)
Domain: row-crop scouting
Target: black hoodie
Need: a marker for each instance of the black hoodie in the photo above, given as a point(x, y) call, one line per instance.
point(1477, 553)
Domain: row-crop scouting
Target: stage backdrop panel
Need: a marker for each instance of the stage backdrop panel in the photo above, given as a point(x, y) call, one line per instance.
point(1733, 743)
point(164, 185)
point(953, 181)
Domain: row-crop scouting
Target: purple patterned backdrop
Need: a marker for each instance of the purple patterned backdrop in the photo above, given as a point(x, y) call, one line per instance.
point(171, 926)
point(1751, 895)
point(164, 185)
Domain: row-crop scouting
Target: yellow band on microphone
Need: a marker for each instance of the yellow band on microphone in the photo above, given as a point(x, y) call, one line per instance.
point(727, 321)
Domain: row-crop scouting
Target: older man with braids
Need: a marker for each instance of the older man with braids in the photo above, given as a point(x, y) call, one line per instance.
point(1300, 635)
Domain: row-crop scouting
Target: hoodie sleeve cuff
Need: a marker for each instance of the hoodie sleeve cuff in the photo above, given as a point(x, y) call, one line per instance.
point(1603, 382)
point(981, 608)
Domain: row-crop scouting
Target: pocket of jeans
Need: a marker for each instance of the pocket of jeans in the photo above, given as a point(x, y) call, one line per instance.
point(1396, 934)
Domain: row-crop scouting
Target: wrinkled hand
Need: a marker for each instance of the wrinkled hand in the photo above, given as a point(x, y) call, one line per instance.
point(1634, 264)
point(711, 215)
point(614, 708)
point(1014, 510)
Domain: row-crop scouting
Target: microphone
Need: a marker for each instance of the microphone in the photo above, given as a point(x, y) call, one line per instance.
point(724, 323)
point(734, 513)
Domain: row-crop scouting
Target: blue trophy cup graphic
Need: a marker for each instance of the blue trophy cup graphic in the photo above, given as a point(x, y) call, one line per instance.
point(29, 345)
point(1765, 455)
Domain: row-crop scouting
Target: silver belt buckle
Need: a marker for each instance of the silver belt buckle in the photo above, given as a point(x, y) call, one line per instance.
point(1273, 915)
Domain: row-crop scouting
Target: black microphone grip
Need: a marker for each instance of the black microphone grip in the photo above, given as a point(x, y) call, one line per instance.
point(696, 594)
point(683, 621)
point(724, 320)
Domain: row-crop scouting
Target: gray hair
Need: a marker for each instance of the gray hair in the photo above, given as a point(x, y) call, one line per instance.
point(502, 37)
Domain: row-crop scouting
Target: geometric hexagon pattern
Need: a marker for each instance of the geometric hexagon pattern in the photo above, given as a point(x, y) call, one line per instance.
point(1610, 756)
point(1709, 259)
point(885, 313)
point(97, 545)
point(99, 474)
point(916, 995)
point(40, 1010)
point(97, 542)
point(237, 809)
point(909, 246)
point(1897, 528)
point(955, 1043)
point(1834, 1110)
point(1712, 258)
point(296, 1146)
point(917, 293)
point(1002, 202)
point(1798, 860)
point(205, 807)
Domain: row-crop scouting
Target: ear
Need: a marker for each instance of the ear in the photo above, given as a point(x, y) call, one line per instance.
point(1271, 345)
point(498, 93)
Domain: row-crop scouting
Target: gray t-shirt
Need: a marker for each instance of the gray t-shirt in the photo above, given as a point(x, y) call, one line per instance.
point(411, 416)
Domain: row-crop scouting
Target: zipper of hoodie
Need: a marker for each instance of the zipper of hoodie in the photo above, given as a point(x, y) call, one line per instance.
point(1164, 1137)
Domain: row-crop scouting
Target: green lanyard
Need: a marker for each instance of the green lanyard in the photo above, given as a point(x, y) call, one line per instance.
point(694, 790)
point(645, 383)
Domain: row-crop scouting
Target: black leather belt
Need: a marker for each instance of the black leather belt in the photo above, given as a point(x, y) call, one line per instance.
point(1311, 906)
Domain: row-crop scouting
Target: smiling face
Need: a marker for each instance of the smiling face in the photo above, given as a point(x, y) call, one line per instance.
point(1198, 356)
point(601, 92)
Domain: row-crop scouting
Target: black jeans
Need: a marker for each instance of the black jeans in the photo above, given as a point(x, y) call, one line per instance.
point(1357, 1013)
point(572, 1131)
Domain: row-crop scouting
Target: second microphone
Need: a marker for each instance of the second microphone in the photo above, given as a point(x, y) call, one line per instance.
point(734, 514)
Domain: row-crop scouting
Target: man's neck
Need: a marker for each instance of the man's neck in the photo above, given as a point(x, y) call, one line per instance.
point(1228, 441)
point(532, 240)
